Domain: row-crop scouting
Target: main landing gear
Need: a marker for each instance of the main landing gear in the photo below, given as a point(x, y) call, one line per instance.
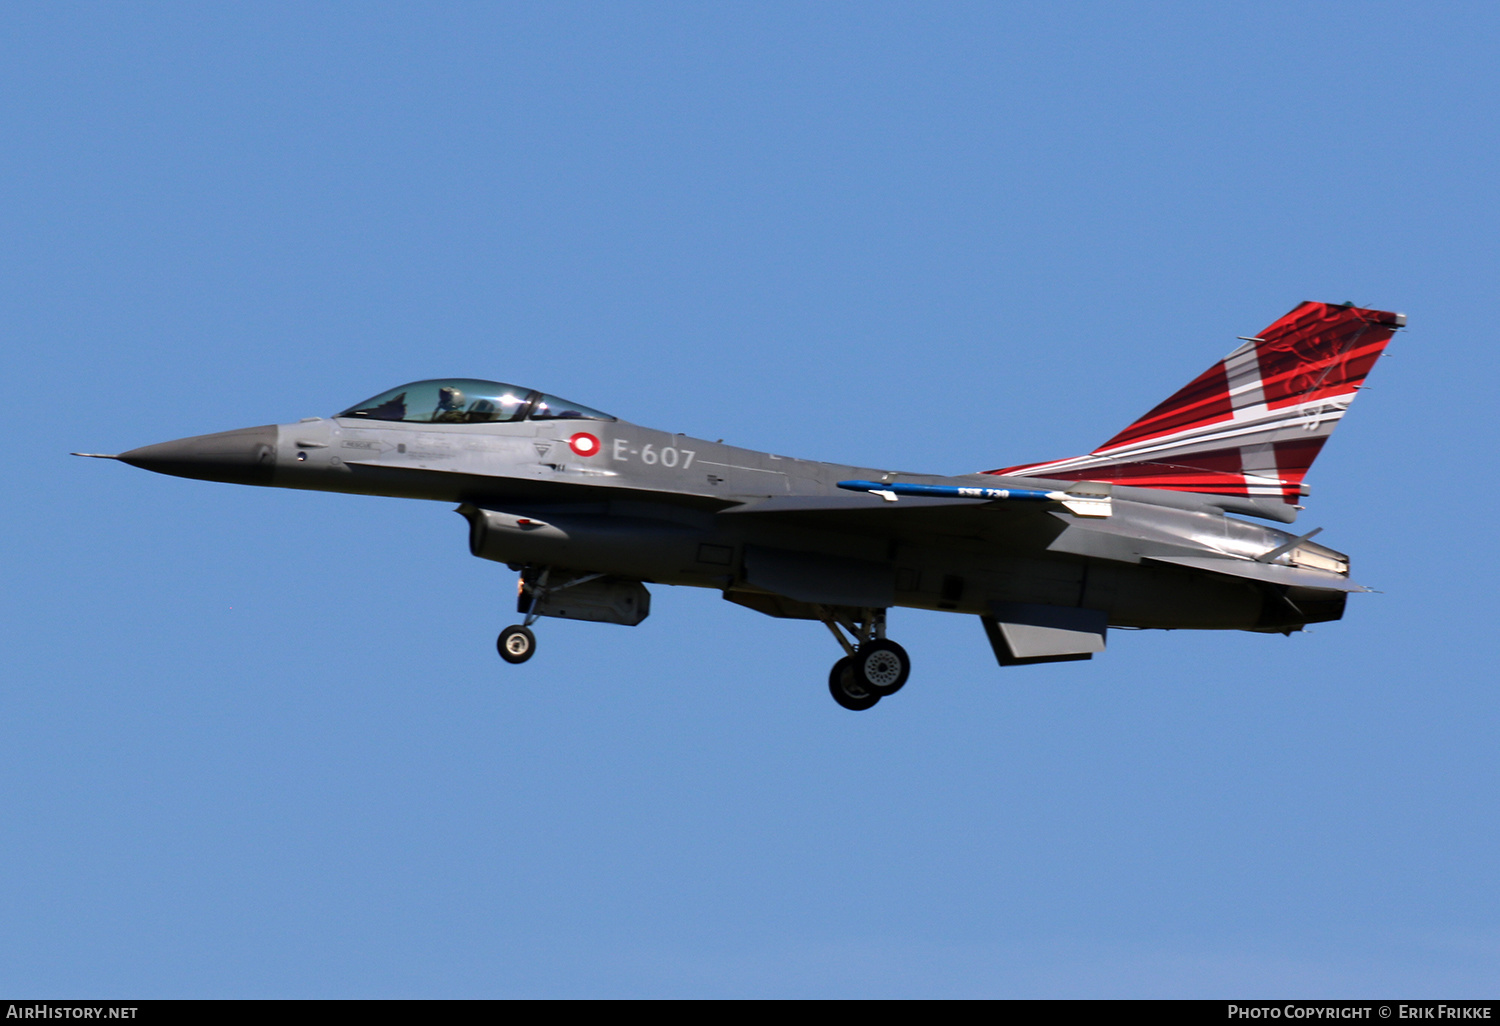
point(873, 668)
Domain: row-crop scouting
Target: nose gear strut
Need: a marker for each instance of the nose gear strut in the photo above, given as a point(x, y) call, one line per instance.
point(517, 643)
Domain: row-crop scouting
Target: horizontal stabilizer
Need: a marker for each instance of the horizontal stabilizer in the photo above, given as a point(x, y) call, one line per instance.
point(1252, 424)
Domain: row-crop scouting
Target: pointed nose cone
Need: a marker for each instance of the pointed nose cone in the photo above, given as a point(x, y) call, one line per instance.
point(246, 456)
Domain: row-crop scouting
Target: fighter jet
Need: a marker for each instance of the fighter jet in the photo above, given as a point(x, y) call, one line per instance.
point(1162, 526)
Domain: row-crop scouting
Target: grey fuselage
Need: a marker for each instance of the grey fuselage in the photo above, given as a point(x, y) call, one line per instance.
point(778, 535)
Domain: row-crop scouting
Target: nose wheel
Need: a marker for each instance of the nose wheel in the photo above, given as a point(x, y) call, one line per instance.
point(516, 644)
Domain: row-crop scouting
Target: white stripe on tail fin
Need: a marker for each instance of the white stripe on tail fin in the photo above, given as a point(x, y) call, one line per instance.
point(1252, 424)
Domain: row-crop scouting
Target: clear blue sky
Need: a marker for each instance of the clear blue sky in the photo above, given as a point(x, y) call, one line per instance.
point(257, 742)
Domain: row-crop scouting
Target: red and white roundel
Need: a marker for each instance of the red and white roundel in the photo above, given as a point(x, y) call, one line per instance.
point(584, 444)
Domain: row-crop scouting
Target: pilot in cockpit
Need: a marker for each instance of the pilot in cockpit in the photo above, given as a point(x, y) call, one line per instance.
point(450, 406)
point(468, 401)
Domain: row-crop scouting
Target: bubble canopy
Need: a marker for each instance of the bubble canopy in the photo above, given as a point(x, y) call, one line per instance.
point(467, 401)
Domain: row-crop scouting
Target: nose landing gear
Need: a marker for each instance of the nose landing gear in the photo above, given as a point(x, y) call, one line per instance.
point(516, 643)
point(874, 666)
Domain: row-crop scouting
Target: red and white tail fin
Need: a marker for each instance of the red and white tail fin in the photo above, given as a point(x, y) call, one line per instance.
point(1252, 424)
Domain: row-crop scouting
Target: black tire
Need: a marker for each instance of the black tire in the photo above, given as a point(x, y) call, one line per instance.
point(881, 668)
point(516, 644)
point(845, 691)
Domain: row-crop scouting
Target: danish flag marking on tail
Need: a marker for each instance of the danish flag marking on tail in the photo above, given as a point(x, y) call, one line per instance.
point(1252, 424)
